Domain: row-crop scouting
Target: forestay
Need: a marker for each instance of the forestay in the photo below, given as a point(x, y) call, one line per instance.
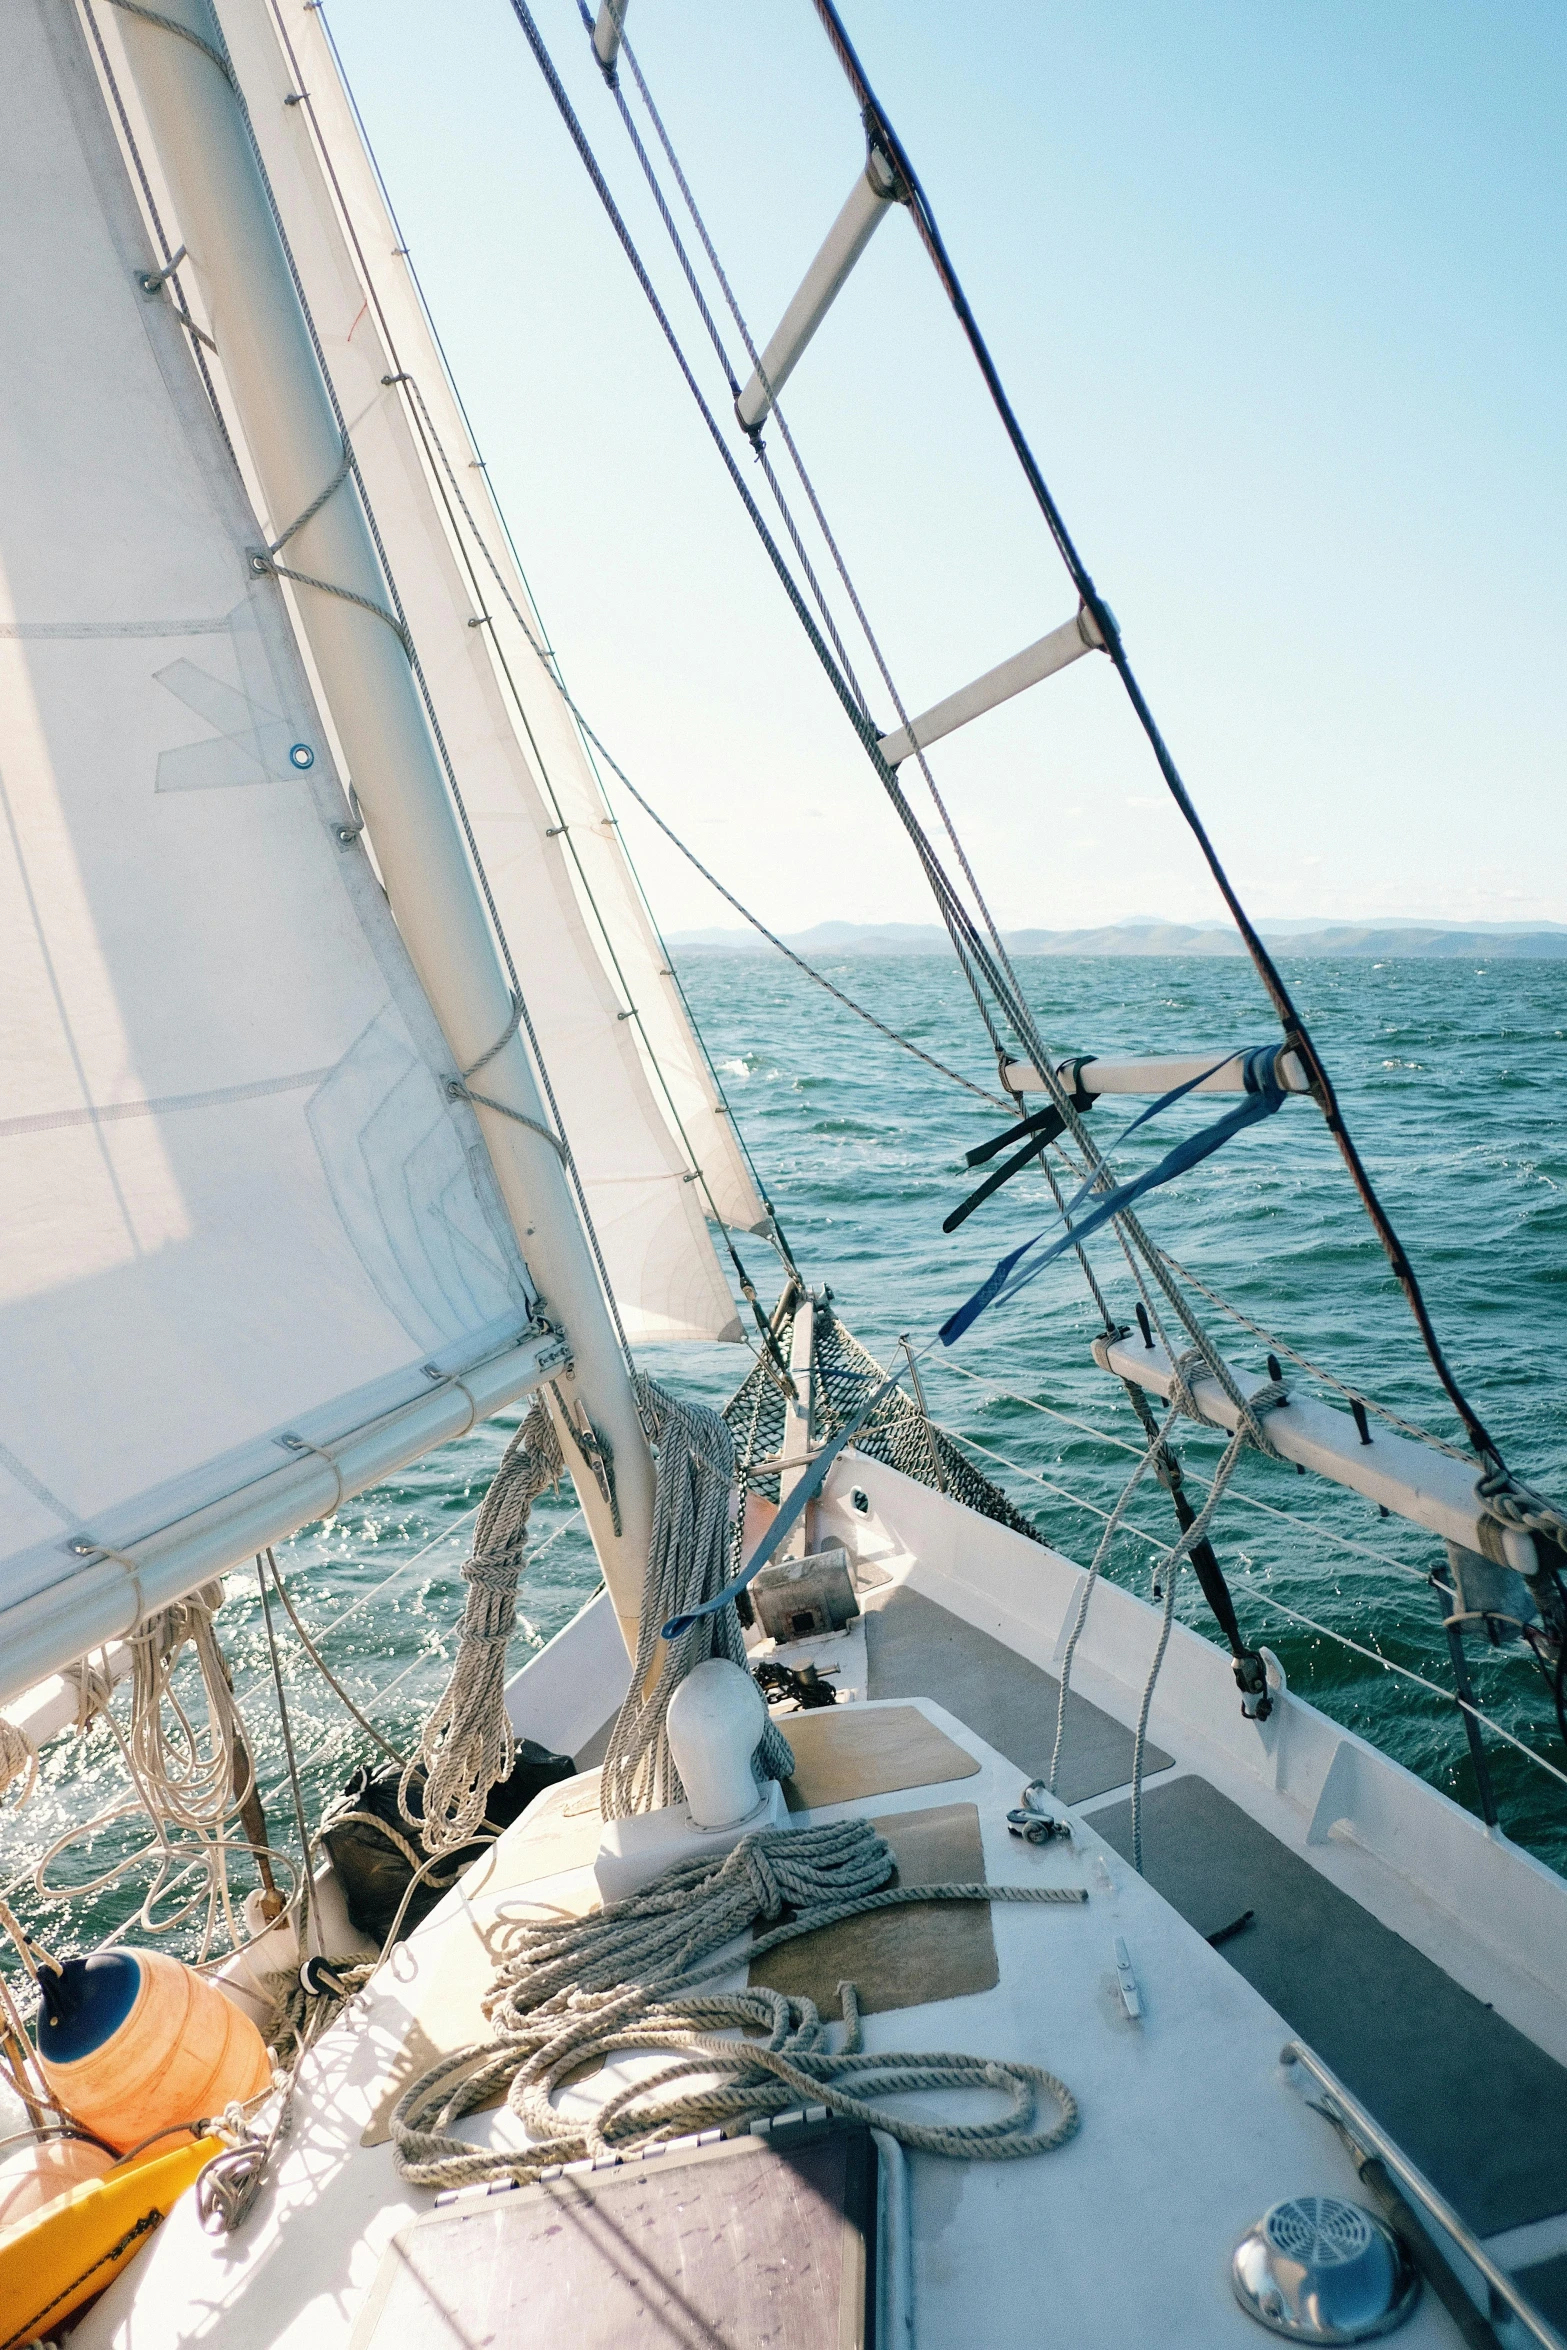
point(637, 1102)
point(239, 1206)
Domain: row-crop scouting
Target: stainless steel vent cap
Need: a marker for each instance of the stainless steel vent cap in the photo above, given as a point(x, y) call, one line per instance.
point(1320, 2270)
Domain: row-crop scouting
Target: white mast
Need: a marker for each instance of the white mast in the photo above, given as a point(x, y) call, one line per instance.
point(292, 436)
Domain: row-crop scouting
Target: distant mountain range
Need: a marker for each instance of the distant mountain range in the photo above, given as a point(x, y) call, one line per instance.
point(1494, 941)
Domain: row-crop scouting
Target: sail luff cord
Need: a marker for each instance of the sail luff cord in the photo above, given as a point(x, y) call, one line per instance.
point(1296, 1033)
point(630, 1979)
point(171, 259)
point(400, 623)
point(350, 228)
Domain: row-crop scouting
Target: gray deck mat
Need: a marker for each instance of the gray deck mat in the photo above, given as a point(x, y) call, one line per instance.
point(1478, 2107)
point(915, 1648)
point(1546, 2286)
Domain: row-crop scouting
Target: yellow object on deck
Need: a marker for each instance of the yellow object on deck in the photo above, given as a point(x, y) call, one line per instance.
point(53, 2261)
point(35, 2172)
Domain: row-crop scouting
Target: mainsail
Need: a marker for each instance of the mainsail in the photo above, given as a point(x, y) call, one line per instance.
point(638, 1104)
point(243, 1217)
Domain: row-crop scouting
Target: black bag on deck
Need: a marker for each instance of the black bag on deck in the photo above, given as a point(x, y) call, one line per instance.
point(370, 1841)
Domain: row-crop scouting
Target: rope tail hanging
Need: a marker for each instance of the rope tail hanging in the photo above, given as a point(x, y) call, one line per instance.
point(687, 1565)
point(467, 1746)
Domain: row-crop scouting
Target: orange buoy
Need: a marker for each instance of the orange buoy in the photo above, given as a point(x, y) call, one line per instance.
point(132, 2042)
point(42, 2165)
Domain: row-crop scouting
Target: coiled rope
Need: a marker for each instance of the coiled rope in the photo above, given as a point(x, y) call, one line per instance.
point(18, 1755)
point(467, 1745)
point(688, 1564)
point(628, 1979)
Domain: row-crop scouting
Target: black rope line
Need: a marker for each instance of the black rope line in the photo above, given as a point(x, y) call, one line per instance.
point(1296, 1034)
point(962, 928)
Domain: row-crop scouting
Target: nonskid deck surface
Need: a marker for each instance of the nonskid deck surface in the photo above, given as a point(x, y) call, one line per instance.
point(1189, 2125)
point(1477, 2106)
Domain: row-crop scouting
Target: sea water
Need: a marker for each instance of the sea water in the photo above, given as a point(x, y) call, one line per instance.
point(1453, 1081)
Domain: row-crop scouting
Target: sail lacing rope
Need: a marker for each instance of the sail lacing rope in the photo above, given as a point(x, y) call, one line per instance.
point(626, 1980)
point(169, 273)
point(397, 619)
point(688, 1563)
point(188, 1782)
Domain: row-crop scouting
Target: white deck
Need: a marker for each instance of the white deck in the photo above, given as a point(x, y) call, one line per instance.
point(1190, 2127)
point(1189, 2131)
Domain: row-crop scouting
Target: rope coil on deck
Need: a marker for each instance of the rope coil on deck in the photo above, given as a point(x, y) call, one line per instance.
point(578, 1989)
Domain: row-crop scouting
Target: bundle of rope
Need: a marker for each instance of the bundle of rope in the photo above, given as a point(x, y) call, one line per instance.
point(18, 1760)
point(688, 1563)
point(467, 1746)
point(189, 1779)
point(630, 1979)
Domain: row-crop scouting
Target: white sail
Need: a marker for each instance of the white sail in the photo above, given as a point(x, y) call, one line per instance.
point(242, 1218)
point(637, 1101)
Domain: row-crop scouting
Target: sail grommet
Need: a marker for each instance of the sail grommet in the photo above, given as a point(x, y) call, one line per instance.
point(300, 755)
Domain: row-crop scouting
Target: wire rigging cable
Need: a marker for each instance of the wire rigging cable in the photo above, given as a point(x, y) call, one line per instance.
point(1506, 1497)
point(1296, 1033)
point(974, 950)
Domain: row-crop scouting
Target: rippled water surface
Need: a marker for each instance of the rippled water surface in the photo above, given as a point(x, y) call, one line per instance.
point(1452, 1078)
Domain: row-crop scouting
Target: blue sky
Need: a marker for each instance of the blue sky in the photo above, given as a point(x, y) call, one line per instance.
point(1277, 291)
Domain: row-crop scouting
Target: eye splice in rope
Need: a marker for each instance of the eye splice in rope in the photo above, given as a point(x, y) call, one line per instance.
point(630, 1979)
point(1264, 1096)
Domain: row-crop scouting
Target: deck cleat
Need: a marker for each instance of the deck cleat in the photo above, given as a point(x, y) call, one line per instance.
point(1036, 1827)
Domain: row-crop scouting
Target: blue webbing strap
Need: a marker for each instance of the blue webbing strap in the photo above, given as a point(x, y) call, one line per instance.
point(787, 1519)
point(1265, 1095)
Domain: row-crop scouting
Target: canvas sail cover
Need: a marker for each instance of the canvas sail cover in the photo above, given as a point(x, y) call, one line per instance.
point(238, 1203)
point(637, 1101)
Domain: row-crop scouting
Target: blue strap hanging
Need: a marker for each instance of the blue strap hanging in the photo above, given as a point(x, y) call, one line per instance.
point(1264, 1096)
point(788, 1517)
